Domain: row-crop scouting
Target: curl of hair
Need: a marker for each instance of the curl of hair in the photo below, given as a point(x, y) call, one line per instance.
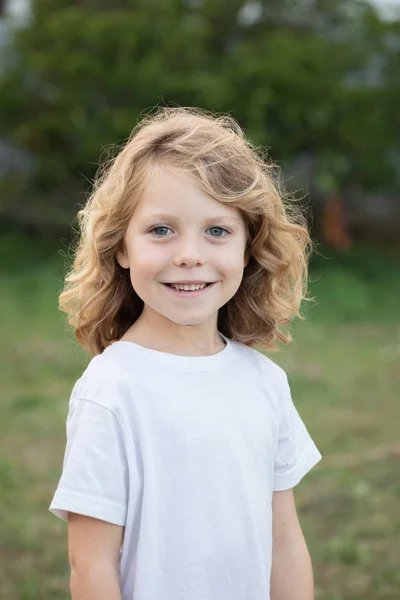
point(98, 297)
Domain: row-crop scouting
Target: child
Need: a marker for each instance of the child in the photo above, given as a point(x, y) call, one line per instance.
point(183, 443)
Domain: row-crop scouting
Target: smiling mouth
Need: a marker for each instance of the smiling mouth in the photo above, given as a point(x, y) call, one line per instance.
point(188, 288)
point(181, 286)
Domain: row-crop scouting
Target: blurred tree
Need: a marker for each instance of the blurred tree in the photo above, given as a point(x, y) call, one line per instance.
point(302, 77)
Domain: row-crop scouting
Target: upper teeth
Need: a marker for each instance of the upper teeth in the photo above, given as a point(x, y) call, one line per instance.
point(186, 287)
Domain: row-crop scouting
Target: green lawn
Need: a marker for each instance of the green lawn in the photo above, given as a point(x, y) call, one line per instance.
point(343, 366)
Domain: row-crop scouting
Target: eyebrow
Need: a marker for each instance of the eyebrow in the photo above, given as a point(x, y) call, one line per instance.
point(167, 217)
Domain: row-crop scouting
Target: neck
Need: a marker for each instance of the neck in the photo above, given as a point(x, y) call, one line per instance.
point(155, 331)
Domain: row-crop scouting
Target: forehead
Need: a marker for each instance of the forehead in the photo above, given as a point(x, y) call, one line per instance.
point(171, 192)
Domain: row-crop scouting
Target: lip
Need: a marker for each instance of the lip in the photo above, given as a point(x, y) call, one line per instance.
point(191, 294)
point(187, 282)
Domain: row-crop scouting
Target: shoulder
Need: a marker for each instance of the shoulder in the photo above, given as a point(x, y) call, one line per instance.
point(262, 365)
point(265, 376)
point(104, 381)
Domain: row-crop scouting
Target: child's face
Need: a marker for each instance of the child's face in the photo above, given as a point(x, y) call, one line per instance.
point(180, 234)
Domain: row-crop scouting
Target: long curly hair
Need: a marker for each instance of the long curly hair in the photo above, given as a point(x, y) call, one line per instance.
point(98, 296)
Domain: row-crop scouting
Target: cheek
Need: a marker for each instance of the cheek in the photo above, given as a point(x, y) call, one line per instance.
point(147, 260)
point(232, 262)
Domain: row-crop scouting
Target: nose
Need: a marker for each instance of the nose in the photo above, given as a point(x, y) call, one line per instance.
point(188, 253)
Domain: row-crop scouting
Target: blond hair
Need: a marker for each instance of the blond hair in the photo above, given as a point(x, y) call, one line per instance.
point(98, 296)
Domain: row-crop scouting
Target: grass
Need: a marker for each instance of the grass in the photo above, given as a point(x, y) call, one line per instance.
point(343, 366)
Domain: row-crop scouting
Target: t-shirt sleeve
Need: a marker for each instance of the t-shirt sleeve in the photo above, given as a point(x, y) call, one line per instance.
point(296, 452)
point(94, 477)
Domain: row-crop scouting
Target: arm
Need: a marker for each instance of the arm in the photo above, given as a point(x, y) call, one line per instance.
point(93, 547)
point(291, 575)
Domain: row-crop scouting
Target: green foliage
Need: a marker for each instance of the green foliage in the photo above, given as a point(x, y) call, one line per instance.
point(79, 76)
point(362, 284)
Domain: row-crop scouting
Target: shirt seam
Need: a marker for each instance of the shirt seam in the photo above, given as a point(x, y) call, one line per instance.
point(67, 491)
point(311, 449)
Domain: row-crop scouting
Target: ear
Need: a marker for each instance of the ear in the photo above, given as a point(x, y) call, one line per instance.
point(122, 258)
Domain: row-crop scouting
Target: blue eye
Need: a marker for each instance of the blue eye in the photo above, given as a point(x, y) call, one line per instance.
point(161, 231)
point(160, 227)
point(218, 229)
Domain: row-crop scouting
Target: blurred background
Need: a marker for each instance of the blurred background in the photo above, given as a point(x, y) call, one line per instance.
point(317, 82)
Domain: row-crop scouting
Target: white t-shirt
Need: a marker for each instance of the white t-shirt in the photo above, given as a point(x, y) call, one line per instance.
point(185, 453)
